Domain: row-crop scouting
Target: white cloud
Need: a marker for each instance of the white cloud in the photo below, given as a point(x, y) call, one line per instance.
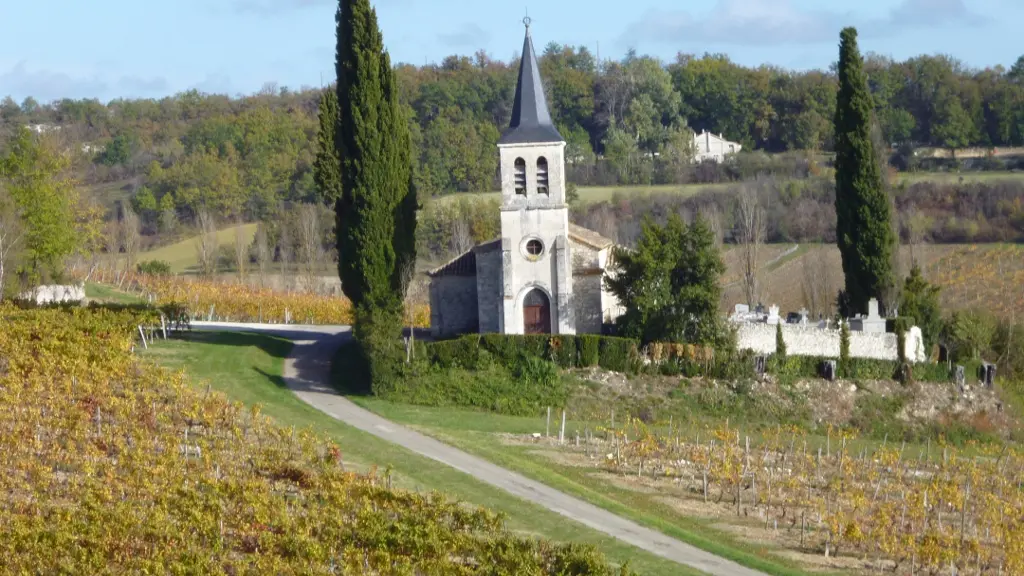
point(780, 22)
point(48, 85)
point(273, 7)
point(470, 35)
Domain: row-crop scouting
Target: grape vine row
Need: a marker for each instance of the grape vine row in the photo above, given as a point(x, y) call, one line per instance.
point(109, 465)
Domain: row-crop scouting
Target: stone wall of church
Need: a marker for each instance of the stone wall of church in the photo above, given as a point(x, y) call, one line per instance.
point(586, 296)
point(488, 290)
point(584, 257)
point(453, 305)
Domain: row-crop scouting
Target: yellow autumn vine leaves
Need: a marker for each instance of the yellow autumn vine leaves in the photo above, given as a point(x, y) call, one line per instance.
point(111, 465)
point(908, 510)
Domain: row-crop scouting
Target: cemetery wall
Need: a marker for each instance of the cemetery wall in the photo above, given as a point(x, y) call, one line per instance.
point(55, 294)
point(813, 341)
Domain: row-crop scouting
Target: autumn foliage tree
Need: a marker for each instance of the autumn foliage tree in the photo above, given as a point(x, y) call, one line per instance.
point(35, 177)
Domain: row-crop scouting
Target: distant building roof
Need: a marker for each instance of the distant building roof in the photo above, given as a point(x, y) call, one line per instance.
point(531, 120)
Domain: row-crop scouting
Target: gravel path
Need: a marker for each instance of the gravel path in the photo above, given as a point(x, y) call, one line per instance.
point(307, 373)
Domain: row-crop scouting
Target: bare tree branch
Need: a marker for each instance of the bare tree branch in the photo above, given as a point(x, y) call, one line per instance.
point(206, 245)
point(752, 227)
point(262, 251)
point(241, 250)
point(310, 243)
point(131, 237)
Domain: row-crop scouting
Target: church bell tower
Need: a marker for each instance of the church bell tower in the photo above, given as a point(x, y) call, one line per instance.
point(536, 271)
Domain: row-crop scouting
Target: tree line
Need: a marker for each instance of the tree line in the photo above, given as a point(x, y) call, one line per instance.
point(626, 121)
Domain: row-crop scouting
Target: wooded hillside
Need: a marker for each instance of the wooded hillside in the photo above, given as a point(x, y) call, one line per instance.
point(244, 155)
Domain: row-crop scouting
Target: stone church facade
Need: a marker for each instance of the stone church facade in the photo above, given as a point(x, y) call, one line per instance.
point(543, 275)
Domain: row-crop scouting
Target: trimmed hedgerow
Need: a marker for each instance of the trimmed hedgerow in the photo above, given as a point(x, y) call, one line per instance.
point(589, 347)
point(855, 368)
point(618, 354)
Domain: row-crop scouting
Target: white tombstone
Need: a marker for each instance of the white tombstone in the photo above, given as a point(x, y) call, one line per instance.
point(773, 315)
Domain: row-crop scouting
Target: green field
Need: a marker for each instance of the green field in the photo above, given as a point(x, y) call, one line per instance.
point(182, 255)
point(592, 194)
point(947, 177)
point(104, 293)
point(247, 367)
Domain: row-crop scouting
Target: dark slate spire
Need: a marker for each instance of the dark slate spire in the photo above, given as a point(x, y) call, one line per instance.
point(531, 121)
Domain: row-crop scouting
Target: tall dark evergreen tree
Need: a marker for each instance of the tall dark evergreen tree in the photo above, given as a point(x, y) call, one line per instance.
point(863, 229)
point(327, 166)
point(376, 211)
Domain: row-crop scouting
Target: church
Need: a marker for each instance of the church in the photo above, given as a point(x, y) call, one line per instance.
point(543, 275)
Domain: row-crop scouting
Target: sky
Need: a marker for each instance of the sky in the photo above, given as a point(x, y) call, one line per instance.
point(106, 49)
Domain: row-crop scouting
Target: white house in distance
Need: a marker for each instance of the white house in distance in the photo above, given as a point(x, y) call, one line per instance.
point(543, 275)
point(707, 146)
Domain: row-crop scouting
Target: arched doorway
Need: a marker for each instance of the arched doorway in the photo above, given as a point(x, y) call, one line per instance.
point(536, 312)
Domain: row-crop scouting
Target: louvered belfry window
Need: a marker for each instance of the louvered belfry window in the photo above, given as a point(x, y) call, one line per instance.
point(520, 176)
point(542, 175)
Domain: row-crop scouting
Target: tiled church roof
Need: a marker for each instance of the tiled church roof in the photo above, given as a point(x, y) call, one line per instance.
point(589, 237)
point(464, 264)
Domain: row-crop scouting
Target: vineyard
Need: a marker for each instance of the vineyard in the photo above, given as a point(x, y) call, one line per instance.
point(231, 301)
point(110, 465)
point(987, 276)
point(887, 509)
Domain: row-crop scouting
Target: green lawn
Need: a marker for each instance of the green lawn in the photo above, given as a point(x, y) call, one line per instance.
point(104, 293)
point(912, 177)
point(247, 367)
point(591, 194)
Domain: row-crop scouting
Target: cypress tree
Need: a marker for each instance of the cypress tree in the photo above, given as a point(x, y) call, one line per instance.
point(327, 166)
point(780, 342)
point(863, 215)
point(376, 210)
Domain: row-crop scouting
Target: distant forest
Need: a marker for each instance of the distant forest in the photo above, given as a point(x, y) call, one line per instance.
point(626, 122)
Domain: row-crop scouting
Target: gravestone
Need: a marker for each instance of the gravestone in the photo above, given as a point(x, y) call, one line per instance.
point(828, 370)
point(871, 322)
point(943, 353)
point(961, 378)
point(760, 365)
point(987, 374)
point(773, 315)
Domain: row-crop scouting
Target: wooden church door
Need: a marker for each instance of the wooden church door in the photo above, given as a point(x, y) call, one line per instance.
point(536, 313)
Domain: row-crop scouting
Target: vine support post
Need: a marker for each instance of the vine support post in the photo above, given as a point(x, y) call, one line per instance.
point(547, 426)
point(561, 431)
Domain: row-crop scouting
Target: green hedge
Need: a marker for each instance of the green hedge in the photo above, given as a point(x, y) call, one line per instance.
point(567, 351)
point(854, 368)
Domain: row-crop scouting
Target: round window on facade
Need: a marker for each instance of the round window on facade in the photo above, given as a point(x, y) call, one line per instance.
point(534, 248)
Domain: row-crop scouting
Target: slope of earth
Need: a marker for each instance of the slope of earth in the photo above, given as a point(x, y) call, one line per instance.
point(113, 465)
point(247, 367)
point(988, 276)
point(182, 255)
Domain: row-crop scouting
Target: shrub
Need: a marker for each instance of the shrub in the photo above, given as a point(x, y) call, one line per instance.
point(618, 354)
point(589, 349)
point(562, 350)
point(154, 267)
